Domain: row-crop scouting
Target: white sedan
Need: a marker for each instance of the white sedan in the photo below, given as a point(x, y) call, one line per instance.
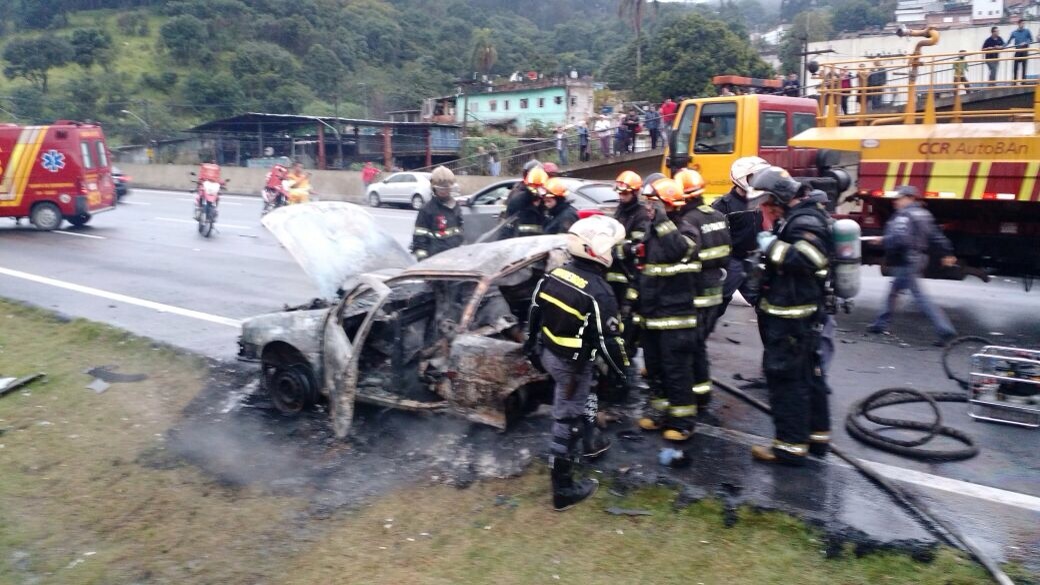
point(408, 188)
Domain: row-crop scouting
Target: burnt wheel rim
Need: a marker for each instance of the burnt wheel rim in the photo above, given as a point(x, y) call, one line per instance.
point(290, 390)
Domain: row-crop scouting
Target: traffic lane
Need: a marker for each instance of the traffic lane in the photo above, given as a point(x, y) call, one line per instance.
point(866, 363)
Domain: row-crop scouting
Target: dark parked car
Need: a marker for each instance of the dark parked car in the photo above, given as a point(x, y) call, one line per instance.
point(122, 182)
point(483, 210)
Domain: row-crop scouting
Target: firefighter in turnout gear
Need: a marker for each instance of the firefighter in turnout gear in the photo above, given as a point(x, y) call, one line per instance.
point(573, 318)
point(791, 315)
point(623, 276)
point(524, 205)
point(744, 225)
point(713, 249)
point(560, 215)
point(667, 284)
point(438, 226)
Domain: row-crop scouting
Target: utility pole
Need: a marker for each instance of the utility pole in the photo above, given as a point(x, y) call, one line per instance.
point(805, 63)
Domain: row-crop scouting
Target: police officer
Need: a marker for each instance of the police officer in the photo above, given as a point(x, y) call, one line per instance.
point(573, 318)
point(560, 215)
point(791, 315)
point(668, 280)
point(713, 249)
point(623, 276)
point(744, 226)
point(524, 206)
point(438, 226)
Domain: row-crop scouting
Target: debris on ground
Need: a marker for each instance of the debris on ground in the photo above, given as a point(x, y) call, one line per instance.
point(98, 385)
point(627, 512)
point(8, 385)
point(110, 375)
point(733, 341)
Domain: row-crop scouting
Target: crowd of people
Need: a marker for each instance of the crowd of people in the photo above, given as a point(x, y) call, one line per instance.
point(657, 277)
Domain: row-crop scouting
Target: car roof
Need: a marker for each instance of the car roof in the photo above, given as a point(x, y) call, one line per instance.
point(485, 259)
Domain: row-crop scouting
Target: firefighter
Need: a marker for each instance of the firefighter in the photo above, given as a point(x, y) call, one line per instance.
point(744, 226)
point(560, 215)
point(573, 318)
point(524, 215)
point(669, 267)
point(438, 226)
point(713, 249)
point(623, 276)
point(791, 314)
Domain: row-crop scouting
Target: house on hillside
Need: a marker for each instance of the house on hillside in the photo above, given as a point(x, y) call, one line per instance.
point(515, 105)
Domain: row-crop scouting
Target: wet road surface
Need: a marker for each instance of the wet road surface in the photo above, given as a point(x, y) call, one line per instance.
point(144, 268)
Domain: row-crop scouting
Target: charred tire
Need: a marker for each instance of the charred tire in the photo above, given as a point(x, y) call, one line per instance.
point(373, 199)
point(417, 202)
point(291, 388)
point(78, 220)
point(46, 216)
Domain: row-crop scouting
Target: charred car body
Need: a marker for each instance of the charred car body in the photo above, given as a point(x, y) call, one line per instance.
point(443, 334)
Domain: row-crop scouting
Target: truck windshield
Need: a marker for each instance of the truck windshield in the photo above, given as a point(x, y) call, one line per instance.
point(685, 130)
point(716, 128)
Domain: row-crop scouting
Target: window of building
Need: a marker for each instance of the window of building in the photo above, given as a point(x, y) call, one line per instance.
point(558, 100)
point(493, 105)
point(574, 101)
point(505, 105)
point(541, 102)
point(523, 103)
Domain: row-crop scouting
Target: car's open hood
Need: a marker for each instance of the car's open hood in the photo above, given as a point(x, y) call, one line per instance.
point(334, 241)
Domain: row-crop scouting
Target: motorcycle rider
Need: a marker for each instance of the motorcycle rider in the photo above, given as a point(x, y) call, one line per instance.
point(300, 184)
point(560, 215)
point(275, 194)
point(713, 250)
point(438, 226)
point(524, 205)
point(669, 267)
point(744, 226)
point(791, 316)
point(623, 276)
point(573, 318)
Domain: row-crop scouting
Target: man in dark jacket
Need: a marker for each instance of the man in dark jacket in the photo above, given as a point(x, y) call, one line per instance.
point(667, 284)
point(713, 249)
point(993, 45)
point(560, 215)
point(911, 238)
point(744, 225)
point(791, 315)
point(573, 318)
point(523, 215)
point(438, 226)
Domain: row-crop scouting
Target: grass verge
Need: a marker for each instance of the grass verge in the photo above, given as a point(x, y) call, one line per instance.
point(83, 500)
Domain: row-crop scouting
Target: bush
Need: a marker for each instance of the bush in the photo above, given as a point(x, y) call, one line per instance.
point(164, 81)
point(133, 24)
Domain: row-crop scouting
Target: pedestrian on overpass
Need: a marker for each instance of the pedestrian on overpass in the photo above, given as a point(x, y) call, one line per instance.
point(911, 239)
point(1021, 38)
point(438, 226)
point(791, 316)
point(992, 46)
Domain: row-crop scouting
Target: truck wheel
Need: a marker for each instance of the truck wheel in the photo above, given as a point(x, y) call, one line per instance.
point(78, 220)
point(46, 216)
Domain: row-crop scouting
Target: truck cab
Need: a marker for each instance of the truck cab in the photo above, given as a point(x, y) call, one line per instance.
point(55, 173)
point(711, 133)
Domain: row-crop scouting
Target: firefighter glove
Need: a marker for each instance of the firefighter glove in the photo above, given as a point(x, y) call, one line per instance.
point(765, 239)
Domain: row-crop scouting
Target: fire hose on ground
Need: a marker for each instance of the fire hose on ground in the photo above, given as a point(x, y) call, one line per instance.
point(943, 530)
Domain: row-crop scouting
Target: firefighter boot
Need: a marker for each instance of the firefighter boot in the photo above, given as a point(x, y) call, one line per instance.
point(820, 443)
point(680, 423)
point(654, 414)
point(567, 492)
point(778, 454)
point(593, 443)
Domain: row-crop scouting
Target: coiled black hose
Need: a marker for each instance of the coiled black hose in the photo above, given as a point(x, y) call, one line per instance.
point(964, 383)
point(908, 448)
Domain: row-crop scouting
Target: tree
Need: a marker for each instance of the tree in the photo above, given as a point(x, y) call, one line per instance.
point(33, 58)
point(688, 52)
point(635, 10)
point(484, 53)
point(324, 71)
point(859, 15)
point(91, 46)
point(39, 14)
point(214, 94)
point(807, 27)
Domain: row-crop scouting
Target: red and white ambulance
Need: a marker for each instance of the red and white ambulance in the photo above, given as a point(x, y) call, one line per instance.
point(55, 173)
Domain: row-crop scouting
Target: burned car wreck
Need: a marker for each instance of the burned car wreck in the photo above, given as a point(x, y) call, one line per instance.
point(444, 334)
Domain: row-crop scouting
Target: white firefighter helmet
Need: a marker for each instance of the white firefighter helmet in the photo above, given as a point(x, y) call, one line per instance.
point(594, 238)
point(743, 168)
point(442, 177)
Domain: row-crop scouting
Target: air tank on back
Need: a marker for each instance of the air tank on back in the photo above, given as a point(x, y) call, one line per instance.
point(847, 258)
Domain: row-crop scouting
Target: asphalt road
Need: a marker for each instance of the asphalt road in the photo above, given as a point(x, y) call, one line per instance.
point(145, 268)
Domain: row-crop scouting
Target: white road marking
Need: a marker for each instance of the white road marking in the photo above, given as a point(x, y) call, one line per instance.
point(175, 192)
point(133, 203)
point(231, 226)
point(221, 203)
point(902, 474)
point(65, 233)
point(160, 307)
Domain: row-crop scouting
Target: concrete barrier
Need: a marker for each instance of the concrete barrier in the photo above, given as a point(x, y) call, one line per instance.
point(329, 185)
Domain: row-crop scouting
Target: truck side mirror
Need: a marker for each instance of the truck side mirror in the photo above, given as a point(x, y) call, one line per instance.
point(676, 160)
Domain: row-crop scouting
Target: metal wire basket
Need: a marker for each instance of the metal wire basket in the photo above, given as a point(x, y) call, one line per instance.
point(1005, 386)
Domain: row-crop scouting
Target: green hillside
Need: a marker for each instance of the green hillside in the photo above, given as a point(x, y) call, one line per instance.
point(176, 63)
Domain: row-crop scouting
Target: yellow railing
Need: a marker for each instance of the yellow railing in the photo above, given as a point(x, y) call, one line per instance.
point(910, 78)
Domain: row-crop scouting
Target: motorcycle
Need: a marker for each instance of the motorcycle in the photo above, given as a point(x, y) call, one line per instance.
point(276, 189)
point(208, 186)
